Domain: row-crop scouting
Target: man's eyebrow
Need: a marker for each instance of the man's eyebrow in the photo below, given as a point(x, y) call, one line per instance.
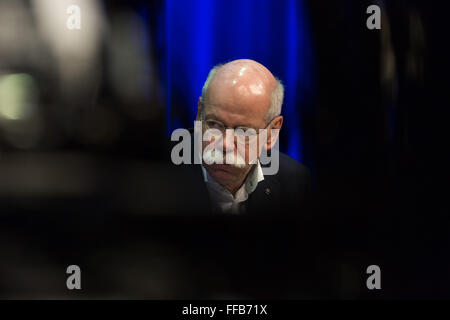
point(212, 116)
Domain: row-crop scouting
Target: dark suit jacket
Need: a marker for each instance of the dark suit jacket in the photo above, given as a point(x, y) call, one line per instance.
point(270, 251)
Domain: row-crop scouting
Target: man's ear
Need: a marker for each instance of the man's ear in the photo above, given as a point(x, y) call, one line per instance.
point(199, 108)
point(272, 139)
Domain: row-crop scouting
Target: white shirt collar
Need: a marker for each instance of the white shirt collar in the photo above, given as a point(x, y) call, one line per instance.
point(224, 199)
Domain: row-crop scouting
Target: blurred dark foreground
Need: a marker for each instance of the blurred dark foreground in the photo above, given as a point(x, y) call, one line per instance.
point(83, 121)
point(119, 222)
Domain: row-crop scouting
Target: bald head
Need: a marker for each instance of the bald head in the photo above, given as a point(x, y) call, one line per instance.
point(243, 87)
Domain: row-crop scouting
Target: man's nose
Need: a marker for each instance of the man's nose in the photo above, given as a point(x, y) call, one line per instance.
point(228, 141)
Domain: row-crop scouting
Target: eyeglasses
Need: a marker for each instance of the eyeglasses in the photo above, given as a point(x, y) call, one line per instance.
point(239, 131)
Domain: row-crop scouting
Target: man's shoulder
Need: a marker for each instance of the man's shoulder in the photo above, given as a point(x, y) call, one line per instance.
point(294, 179)
point(284, 193)
point(291, 168)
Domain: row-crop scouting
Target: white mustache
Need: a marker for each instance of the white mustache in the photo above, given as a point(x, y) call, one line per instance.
point(211, 156)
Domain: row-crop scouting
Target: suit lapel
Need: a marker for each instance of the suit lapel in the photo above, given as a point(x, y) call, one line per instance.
point(266, 197)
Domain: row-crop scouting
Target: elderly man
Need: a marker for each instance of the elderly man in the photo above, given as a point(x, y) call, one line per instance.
point(250, 226)
point(245, 96)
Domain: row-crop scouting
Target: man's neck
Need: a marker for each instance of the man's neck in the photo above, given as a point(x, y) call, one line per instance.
point(233, 189)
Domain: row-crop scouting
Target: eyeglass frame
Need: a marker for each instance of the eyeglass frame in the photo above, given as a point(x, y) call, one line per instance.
point(202, 118)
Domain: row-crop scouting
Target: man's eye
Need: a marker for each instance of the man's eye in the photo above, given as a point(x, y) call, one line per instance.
point(213, 124)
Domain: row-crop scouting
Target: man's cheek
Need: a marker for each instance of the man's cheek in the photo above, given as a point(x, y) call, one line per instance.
point(251, 153)
point(212, 139)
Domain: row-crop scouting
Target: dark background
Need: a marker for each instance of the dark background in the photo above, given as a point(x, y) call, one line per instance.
point(372, 131)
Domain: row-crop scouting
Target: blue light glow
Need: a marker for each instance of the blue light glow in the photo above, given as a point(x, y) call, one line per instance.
point(202, 33)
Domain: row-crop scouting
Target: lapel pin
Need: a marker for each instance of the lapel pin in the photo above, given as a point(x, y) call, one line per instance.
point(267, 191)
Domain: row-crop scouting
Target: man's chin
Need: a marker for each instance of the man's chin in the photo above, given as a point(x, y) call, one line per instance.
point(224, 171)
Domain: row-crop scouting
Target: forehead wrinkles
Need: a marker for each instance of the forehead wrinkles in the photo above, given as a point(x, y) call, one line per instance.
point(229, 117)
point(248, 91)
